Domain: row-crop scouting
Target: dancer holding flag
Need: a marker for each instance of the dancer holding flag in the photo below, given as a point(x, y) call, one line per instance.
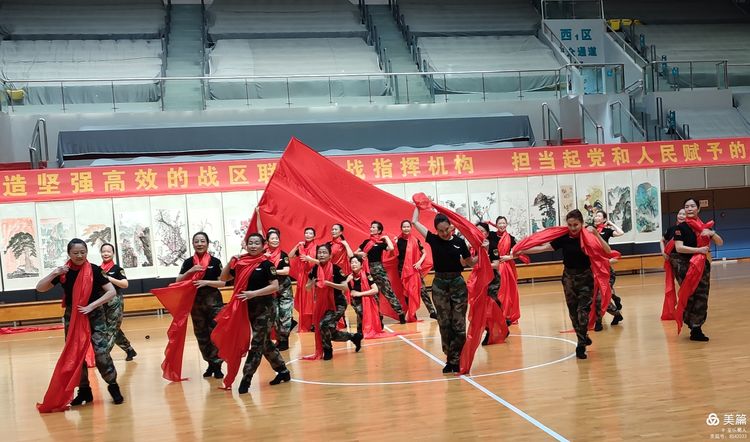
point(586, 260)
point(412, 267)
point(692, 241)
point(373, 248)
point(195, 292)
point(86, 289)
point(670, 255)
point(255, 283)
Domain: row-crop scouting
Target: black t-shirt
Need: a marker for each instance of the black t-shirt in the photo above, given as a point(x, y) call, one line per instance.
point(116, 272)
point(356, 284)
point(376, 252)
point(447, 254)
point(494, 239)
point(70, 279)
point(669, 234)
point(283, 263)
point(684, 233)
point(606, 234)
point(213, 271)
point(338, 278)
point(401, 245)
point(262, 276)
point(573, 256)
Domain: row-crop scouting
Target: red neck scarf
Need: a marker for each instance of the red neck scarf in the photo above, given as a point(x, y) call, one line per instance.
point(303, 300)
point(339, 255)
point(695, 270)
point(232, 332)
point(107, 266)
point(324, 302)
point(68, 368)
point(483, 310)
point(274, 255)
point(592, 247)
point(374, 239)
point(411, 278)
point(670, 294)
point(178, 299)
point(600, 227)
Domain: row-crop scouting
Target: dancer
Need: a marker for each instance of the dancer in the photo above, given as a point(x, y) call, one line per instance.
point(113, 309)
point(449, 257)
point(410, 249)
point(361, 285)
point(607, 229)
point(284, 300)
point(670, 255)
point(493, 289)
point(302, 260)
point(504, 243)
point(586, 260)
point(256, 281)
point(692, 241)
point(85, 290)
point(341, 252)
point(204, 271)
point(330, 304)
point(373, 248)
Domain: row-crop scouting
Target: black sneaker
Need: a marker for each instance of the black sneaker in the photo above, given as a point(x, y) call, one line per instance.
point(448, 369)
point(357, 341)
point(282, 345)
point(281, 377)
point(456, 368)
point(618, 301)
point(294, 324)
point(598, 326)
point(217, 371)
point(244, 386)
point(581, 352)
point(588, 341)
point(696, 334)
point(84, 395)
point(402, 319)
point(130, 354)
point(617, 319)
point(433, 315)
point(327, 355)
point(114, 390)
point(209, 371)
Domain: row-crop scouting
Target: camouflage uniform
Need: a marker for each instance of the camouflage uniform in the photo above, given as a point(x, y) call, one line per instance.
point(328, 330)
point(113, 317)
point(696, 309)
point(100, 341)
point(208, 303)
point(262, 312)
point(357, 307)
point(284, 304)
point(427, 300)
point(578, 285)
point(494, 288)
point(451, 301)
point(384, 286)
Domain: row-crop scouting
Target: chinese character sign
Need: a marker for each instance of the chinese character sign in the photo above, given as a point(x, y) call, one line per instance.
point(584, 38)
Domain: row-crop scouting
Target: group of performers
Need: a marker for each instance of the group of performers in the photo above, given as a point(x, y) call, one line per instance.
point(331, 275)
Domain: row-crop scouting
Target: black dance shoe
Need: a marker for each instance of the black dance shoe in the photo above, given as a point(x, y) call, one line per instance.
point(282, 345)
point(617, 319)
point(598, 326)
point(618, 301)
point(114, 390)
point(327, 355)
point(84, 395)
point(581, 352)
point(588, 341)
point(217, 371)
point(402, 319)
point(244, 386)
point(130, 354)
point(357, 341)
point(696, 334)
point(281, 377)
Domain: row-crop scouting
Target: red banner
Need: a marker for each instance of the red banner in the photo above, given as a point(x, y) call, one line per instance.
point(227, 176)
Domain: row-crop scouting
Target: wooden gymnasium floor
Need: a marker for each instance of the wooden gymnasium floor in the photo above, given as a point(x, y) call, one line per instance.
point(641, 381)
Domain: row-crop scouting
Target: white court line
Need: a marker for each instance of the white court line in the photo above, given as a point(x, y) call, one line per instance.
point(492, 395)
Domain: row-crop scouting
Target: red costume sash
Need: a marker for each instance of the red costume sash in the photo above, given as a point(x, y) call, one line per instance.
point(69, 365)
point(508, 294)
point(371, 326)
point(411, 278)
point(324, 301)
point(303, 300)
point(178, 298)
point(232, 332)
point(670, 295)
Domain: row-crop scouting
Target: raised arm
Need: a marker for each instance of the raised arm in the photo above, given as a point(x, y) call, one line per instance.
point(258, 223)
point(45, 284)
point(546, 247)
point(417, 225)
point(616, 230)
point(388, 243)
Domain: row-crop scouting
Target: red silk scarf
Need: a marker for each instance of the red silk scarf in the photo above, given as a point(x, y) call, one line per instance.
point(107, 266)
point(232, 332)
point(178, 298)
point(324, 301)
point(411, 278)
point(371, 326)
point(508, 294)
point(670, 294)
point(69, 365)
point(339, 255)
point(303, 301)
point(695, 270)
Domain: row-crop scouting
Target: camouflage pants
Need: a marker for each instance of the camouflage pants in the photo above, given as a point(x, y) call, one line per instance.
point(207, 305)
point(357, 307)
point(427, 300)
point(612, 307)
point(451, 301)
point(284, 303)
point(696, 309)
point(494, 288)
point(578, 285)
point(384, 286)
point(328, 330)
point(113, 315)
point(262, 312)
point(100, 343)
